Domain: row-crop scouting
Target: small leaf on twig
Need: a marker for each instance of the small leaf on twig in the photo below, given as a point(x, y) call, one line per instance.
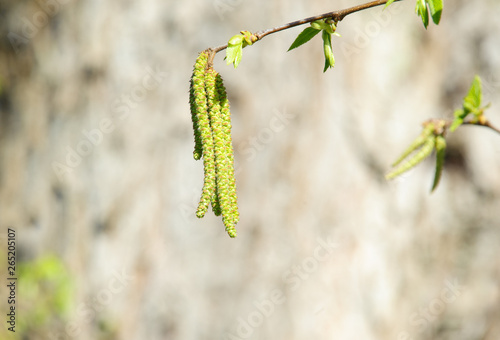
point(421, 10)
point(234, 50)
point(440, 153)
point(388, 3)
point(436, 8)
point(327, 48)
point(474, 97)
point(304, 37)
point(459, 119)
point(471, 104)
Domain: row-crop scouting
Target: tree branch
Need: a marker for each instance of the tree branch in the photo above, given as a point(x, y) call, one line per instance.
point(485, 124)
point(336, 16)
point(448, 122)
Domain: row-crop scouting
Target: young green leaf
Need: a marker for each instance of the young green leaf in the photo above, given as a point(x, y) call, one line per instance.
point(474, 97)
point(471, 104)
point(388, 3)
point(234, 50)
point(236, 40)
point(459, 120)
point(304, 37)
point(233, 55)
point(327, 48)
point(440, 153)
point(436, 8)
point(421, 10)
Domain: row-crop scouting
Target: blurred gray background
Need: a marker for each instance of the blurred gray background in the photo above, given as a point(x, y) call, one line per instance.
point(96, 169)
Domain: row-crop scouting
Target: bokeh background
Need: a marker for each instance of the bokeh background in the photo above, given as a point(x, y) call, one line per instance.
point(98, 181)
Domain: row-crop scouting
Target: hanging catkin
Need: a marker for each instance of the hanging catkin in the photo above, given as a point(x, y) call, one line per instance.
point(212, 133)
point(201, 124)
point(197, 100)
point(226, 124)
point(214, 115)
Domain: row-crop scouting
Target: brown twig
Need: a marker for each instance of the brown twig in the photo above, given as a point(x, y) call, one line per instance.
point(485, 124)
point(448, 122)
point(336, 16)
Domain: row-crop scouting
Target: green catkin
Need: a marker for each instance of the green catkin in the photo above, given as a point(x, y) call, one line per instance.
point(214, 117)
point(423, 153)
point(198, 74)
point(440, 154)
point(226, 123)
point(202, 123)
point(212, 133)
point(222, 156)
point(198, 150)
point(418, 142)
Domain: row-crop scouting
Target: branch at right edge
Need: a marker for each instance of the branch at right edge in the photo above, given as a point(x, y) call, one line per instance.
point(485, 124)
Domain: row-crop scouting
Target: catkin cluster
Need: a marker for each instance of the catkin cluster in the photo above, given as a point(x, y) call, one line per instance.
point(212, 135)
